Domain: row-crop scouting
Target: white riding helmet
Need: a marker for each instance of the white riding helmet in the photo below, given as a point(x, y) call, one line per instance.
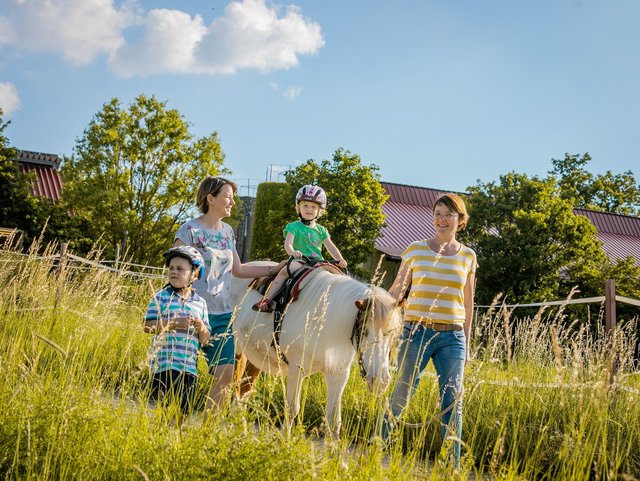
point(312, 193)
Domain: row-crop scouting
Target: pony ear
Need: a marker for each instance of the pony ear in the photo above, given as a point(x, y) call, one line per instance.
point(363, 304)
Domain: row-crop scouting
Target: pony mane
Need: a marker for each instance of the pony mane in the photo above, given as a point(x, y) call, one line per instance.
point(386, 314)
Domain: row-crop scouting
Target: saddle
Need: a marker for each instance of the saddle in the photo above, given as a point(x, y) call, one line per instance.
point(288, 293)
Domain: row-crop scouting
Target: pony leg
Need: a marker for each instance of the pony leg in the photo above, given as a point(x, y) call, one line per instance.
point(241, 365)
point(294, 388)
point(336, 382)
point(245, 376)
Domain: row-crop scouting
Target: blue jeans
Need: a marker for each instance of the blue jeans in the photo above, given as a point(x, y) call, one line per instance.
point(418, 344)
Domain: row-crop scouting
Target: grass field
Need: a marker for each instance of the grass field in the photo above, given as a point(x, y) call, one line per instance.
point(545, 398)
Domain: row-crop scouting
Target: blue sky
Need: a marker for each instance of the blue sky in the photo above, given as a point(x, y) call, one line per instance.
point(436, 93)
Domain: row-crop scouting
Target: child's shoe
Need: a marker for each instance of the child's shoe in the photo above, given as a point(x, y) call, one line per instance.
point(263, 305)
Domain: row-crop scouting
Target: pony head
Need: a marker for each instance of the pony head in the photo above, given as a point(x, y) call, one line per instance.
point(380, 325)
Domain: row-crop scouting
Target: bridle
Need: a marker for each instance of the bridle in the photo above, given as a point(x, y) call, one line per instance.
point(357, 334)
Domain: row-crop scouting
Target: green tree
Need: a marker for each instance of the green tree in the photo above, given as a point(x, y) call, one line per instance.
point(18, 208)
point(354, 216)
point(34, 216)
point(530, 244)
point(614, 193)
point(134, 174)
point(269, 220)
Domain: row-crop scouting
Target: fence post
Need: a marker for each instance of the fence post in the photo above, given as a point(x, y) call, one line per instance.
point(117, 263)
point(610, 305)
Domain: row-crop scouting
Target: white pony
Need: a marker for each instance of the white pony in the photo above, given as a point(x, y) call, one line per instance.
point(320, 332)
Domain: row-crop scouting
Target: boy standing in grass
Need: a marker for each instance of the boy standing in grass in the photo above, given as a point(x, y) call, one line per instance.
point(177, 316)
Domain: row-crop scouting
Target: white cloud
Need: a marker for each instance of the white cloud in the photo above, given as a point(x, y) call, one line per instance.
point(168, 45)
point(7, 33)
point(251, 35)
point(248, 35)
point(78, 29)
point(9, 98)
point(292, 92)
point(274, 86)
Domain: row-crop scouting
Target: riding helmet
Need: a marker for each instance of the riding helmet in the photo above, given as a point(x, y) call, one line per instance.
point(187, 252)
point(312, 193)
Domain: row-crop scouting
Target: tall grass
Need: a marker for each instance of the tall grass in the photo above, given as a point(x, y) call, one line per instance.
point(545, 398)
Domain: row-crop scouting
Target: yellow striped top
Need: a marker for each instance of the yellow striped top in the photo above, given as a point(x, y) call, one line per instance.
point(437, 283)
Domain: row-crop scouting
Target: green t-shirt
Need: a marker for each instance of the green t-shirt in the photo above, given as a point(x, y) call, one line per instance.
point(307, 240)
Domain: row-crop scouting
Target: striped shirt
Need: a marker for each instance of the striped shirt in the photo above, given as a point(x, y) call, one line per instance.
point(437, 283)
point(178, 350)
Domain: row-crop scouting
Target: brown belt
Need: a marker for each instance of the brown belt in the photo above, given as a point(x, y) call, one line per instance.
point(440, 326)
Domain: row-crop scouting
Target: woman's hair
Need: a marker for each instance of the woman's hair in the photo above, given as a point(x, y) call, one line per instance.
point(454, 203)
point(211, 185)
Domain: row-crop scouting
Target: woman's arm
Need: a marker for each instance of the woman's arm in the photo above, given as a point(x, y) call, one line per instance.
point(401, 282)
point(468, 309)
point(243, 270)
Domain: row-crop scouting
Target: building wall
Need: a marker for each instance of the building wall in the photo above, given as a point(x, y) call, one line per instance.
point(244, 231)
point(384, 268)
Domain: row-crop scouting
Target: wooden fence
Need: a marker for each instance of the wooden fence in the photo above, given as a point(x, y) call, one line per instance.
point(610, 298)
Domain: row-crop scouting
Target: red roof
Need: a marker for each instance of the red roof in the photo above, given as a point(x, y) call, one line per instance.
point(412, 195)
point(620, 246)
point(47, 182)
point(619, 234)
point(625, 225)
point(409, 218)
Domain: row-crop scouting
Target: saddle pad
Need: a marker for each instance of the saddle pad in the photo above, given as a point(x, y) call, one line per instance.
point(308, 275)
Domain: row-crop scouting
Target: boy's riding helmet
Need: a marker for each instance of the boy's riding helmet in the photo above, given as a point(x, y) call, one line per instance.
point(189, 253)
point(312, 193)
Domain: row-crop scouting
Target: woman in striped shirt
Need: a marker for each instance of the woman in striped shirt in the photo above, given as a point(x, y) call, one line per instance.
point(438, 312)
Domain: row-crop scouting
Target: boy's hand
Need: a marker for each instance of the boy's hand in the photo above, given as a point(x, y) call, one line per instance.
point(198, 324)
point(180, 323)
point(296, 254)
point(342, 263)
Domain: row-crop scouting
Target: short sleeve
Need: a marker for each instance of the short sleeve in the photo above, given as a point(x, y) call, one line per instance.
point(325, 233)
point(474, 264)
point(184, 234)
point(153, 309)
point(232, 236)
point(289, 229)
point(205, 314)
point(408, 253)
